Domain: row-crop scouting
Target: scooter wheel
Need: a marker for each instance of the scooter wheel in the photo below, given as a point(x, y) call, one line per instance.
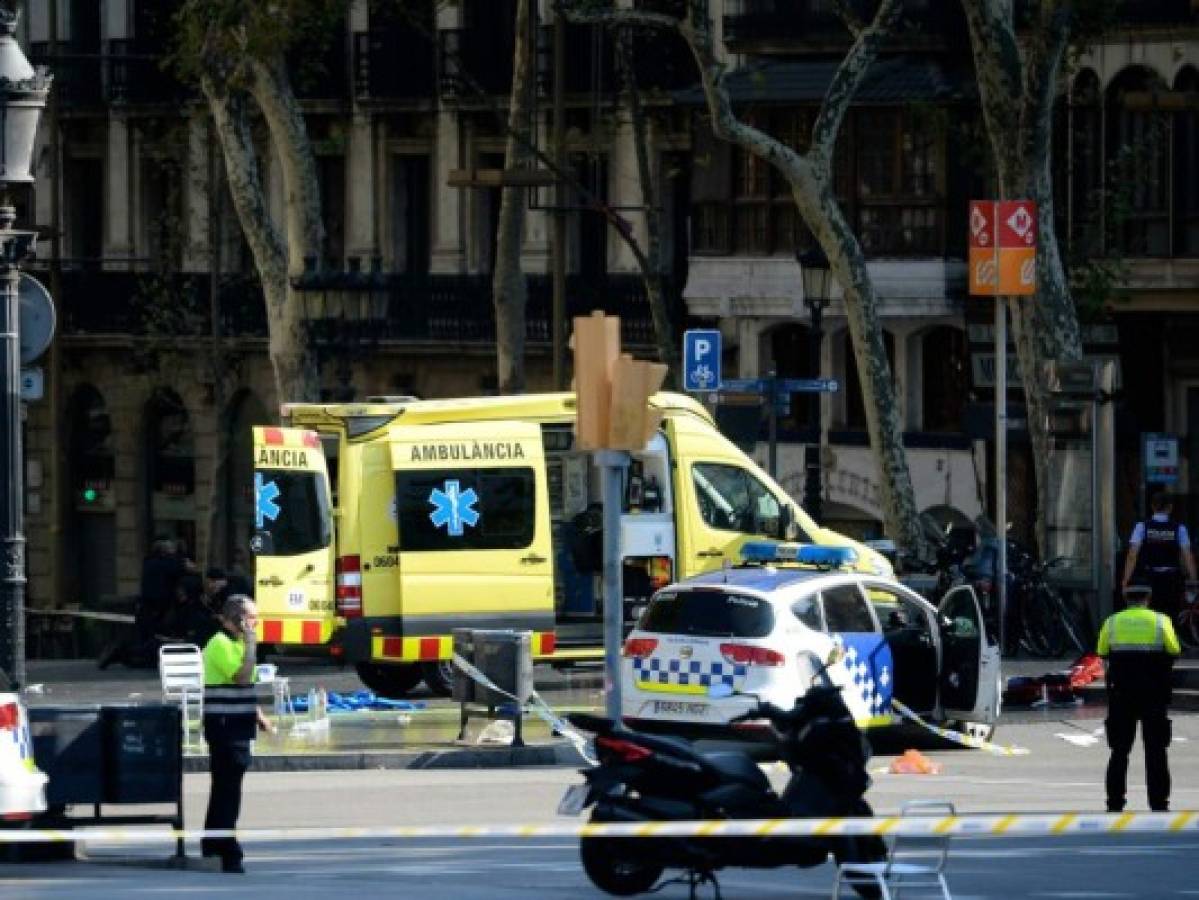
point(611, 869)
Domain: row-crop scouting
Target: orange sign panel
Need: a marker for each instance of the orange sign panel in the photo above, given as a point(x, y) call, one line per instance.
point(1003, 247)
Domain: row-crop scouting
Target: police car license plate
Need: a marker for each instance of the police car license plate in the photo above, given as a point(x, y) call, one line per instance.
point(574, 800)
point(680, 708)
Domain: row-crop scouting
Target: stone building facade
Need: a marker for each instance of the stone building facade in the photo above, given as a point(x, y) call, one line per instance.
point(159, 368)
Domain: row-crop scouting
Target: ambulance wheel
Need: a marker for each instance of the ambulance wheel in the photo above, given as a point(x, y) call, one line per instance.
point(611, 869)
point(439, 676)
point(391, 681)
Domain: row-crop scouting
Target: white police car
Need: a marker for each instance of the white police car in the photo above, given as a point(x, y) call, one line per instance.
point(22, 785)
point(767, 626)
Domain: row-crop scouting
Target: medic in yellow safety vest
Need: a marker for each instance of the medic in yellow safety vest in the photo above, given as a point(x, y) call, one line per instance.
point(1140, 647)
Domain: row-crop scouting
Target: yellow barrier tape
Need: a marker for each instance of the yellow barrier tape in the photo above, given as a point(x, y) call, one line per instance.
point(956, 736)
point(980, 825)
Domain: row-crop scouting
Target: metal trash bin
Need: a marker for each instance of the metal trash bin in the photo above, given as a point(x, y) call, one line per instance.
point(505, 658)
point(463, 689)
point(68, 746)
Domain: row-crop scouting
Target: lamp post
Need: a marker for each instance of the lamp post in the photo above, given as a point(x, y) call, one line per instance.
point(23, 94)
point(814, 269)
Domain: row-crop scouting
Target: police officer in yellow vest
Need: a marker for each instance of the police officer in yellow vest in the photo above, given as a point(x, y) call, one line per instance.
point(231, 717)
point(1140, 647)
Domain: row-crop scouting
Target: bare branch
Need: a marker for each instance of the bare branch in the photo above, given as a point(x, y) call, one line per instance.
point(847, 79)
point(272, 90)
point(1043, 66)
point(849, 17)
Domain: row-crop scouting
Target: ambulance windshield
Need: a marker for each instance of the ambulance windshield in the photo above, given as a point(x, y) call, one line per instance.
point(293, 508)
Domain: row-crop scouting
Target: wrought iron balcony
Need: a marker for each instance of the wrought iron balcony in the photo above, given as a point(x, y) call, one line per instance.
point(393, 64)
point(77, 71)
point(466, 55)
point(138, 73)
point(427, 309)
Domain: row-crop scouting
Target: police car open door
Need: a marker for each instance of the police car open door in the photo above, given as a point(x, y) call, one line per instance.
point(969, 659)
point(292, 542)
point(473, 510)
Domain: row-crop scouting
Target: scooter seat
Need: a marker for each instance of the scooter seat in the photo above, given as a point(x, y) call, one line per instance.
point(738, 767)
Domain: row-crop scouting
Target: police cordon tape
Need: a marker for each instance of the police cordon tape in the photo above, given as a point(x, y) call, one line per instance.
point(958, 737)
point(974, 826)
point(537, 707)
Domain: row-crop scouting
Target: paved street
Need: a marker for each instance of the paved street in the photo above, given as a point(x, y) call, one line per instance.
point(1056, 776)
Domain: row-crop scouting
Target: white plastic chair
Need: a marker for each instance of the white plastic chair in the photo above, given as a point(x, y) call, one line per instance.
point(912, 861)
point(181, 670)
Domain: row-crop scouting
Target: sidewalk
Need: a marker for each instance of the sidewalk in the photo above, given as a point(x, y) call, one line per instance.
point(424, 737)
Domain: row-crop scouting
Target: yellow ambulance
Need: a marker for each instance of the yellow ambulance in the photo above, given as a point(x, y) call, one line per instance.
point(383, 526)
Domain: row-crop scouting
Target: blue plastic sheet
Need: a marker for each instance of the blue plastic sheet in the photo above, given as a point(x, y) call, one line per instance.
point(359, 700)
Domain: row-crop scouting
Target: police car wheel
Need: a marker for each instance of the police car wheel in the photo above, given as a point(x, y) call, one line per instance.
point(982, 731)
point(439, 676)
point(391, 681)
point(611, 869)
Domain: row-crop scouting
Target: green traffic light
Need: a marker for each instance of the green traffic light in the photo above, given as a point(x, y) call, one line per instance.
point(89, 495)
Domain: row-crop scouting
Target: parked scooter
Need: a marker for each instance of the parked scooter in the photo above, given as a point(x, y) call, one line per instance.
point(651, 778)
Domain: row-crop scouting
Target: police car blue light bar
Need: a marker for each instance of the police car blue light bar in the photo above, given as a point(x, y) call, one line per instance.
point(803, 554)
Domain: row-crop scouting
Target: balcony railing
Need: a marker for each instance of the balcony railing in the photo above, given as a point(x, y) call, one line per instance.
point(77, 71)
point(137, 74)
point(395, 63)
point(436, 309)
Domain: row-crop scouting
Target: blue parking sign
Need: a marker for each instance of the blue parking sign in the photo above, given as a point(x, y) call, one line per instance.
point(701, 360)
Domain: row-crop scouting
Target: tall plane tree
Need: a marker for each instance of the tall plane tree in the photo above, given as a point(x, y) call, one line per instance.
point(810, 177)
point(236, 52)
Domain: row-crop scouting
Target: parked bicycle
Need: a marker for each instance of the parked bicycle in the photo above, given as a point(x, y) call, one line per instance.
point(1040, 621)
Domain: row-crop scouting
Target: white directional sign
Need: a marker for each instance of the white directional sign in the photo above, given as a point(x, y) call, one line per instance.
point(701, 360)
point(32, 384)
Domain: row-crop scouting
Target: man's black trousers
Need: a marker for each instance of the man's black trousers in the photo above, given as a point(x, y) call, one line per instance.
point(1123, 714)
point(228, 763)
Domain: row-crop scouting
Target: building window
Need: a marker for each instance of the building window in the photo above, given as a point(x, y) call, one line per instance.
point(409, 214)
point(84, 209)
point(1138, 170)
point(171, 469)
point(1186, 152)
point(899, 182)
point(944, 378)
point(331, 173)
point(1084, 157)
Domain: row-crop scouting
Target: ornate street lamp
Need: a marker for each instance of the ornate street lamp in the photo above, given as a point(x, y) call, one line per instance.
point(817, 284)
point(23, 94)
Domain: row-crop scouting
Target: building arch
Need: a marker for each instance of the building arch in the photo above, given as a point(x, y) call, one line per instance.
point(942, 376)
point(1186, 172)
point(90, 569)
point(791, 354)
point(170, 470)
point(1137, 145)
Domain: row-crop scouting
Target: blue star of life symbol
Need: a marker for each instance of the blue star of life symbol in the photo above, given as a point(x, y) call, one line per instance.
point(265, 506)
point(453, 508)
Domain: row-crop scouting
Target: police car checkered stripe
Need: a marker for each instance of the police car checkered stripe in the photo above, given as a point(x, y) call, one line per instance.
point(653, 671)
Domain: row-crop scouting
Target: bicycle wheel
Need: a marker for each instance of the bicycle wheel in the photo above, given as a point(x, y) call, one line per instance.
point(1072, 628)
point(1043, 622)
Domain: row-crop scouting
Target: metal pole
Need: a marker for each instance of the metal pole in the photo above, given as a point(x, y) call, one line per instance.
point(1001, 463)
point(612, 468)
point(558, 253)
point(772, 396)
point(813, 501)
point(12, 513)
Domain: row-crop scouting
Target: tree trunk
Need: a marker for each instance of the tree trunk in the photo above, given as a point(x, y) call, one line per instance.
point(818, 205)
point(295, 369)
point(508, 288)
point(1017, 79)
point(651, 263)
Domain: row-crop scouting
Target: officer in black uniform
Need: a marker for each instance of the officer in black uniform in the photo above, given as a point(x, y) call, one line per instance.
point(1158, 551)
point(1140, 648)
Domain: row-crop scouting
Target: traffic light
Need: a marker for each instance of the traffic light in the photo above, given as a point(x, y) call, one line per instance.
point(612, 390)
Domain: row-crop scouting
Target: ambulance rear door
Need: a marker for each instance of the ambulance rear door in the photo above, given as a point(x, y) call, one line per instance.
point(473, 511)
point(293, 542)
